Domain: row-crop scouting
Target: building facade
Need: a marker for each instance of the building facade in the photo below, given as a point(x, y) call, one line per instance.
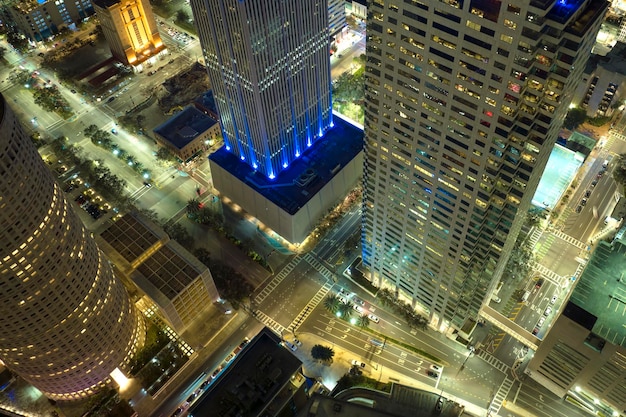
point(130, 30)
point(67, 321)
point(268, 62)
point(39, 20)
point(464, 101)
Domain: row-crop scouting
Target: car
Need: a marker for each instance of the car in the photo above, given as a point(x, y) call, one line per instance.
point(73, 91)
point(343, 293)
point(539, 283)
point(178, 411)
point(291, 346)
point(111, 99)
point(192, 397)
point(583, 202)
point(69, 188)
point(579, 209)
point(435, 367)
point(297, 342)
point(587, 193)
point(114, 131)
point(535, 331)
point(358, 309)
point(358, 301)
point(548, 311)
point(373, 318)
point(147, 184)
point(229, 358)
point(216, 372)
point(171, 61)
point(357, 363)
point(594, 183)
point(553, 299)
point(439, 404)
point(541, 321)
point(432, 374)
point(205, 384)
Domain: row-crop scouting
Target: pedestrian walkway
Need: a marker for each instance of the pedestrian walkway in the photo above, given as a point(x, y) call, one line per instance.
point(548, 273)
point(269, 322)
point(326, 273)
point(493, 361)
point(267, 290)
point(535, 236)
point(568, 239)
point(306, 311)
point(500, 396)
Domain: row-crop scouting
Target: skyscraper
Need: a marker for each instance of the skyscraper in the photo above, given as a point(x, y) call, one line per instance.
point(130, 29)
point(465, 99)
point(66, 321)
point(268, 62)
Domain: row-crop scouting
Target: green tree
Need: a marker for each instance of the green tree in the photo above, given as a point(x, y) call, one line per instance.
point(164, 154)
point(182, 16)
point(331, 303)
point(345, 310)
point(619, 173)
point(575, 117)
point(179, 234)
point(322, 353)
point(363, 321)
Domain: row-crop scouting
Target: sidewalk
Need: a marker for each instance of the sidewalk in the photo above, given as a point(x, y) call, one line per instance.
point(329, 374)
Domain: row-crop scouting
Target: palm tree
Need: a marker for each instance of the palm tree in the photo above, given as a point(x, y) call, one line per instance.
point(345, 310)
point(363, 321)
point(332, 303)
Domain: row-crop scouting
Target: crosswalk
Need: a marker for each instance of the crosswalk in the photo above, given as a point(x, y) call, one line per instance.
point(319, 267)
point(493, 361)
point(500, 396)
point(568, 239)
point(269, 322)
point(306, 311)
point(548, 273)
point(277, 280)
point(535, 236)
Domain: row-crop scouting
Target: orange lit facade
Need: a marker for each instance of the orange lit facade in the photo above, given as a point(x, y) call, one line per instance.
point(130, 30)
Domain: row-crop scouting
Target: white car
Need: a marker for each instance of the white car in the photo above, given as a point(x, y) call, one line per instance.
point(436, 368)
point(553, 299)
point(357, 363)
point(548, 311)
point(359, 309)
point(373, 318)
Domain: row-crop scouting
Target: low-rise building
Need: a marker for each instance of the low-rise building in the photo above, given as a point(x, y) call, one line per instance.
point(188, 133)
point(583, 356)
point(297, 199)
point(38, 20)
point(179, 284)
point(264, 379)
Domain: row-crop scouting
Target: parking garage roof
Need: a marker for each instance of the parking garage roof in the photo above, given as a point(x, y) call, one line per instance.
point(601, 291)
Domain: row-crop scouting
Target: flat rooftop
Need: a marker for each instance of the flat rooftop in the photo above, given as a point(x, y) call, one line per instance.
point(252, 382)
point(170, 272)
point(130, 237)
point(296, 185)
point(164, 263)
point(601, 291)
point(185, 126)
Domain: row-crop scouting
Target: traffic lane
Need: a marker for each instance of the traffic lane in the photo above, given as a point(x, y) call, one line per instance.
point(330, 247)
point(541, 402)
point(292, 294)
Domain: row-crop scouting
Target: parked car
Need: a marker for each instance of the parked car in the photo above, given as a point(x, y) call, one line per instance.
point(548, 311)
point(373, 318)
point(357, 363)
point(553, 299)
point(435, 367)
point(432, 374)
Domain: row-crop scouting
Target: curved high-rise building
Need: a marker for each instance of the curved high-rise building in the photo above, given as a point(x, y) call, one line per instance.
point(66, 322)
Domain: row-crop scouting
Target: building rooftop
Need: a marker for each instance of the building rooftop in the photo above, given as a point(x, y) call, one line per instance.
point(166, 265)
point(615, 60)
point(297, 184)
point(601, 292)
point(185, 126)
point(168, 271)
point(130, 237)
point(402, 401)
point(252, 382)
